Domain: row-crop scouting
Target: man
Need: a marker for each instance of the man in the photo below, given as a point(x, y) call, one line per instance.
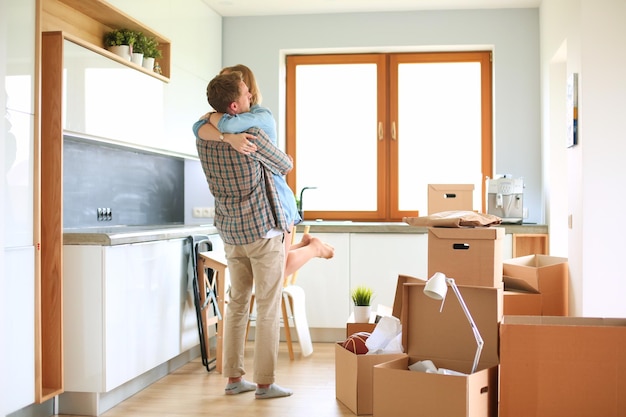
point(251, 222)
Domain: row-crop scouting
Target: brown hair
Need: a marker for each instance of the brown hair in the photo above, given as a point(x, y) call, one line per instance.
point(224, 90)
point(249, 79)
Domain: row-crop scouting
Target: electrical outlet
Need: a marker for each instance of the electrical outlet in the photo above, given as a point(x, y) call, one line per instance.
point(208, 212)
point(197, 212)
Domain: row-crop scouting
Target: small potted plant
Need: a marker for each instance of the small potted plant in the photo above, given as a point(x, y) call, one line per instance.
point(362, 298)
point(120, 42)
point(151, 52)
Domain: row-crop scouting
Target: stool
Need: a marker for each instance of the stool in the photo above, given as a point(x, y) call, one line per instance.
point(209, 289)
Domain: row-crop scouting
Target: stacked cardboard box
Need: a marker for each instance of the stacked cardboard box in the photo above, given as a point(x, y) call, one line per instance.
point(447, 340)
point(470, 255)
point(540, 283)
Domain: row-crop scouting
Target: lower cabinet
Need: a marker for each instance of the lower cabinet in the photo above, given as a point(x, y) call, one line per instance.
point(373, 259)
point(127, 309)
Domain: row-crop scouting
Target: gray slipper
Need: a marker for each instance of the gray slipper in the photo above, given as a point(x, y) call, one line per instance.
point(273, 391)
point(239, 387)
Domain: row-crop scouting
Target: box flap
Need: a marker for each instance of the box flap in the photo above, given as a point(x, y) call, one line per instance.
point(397, 301)
point(468, 233)
point(536, 261)
point(513, 283)
point(429, 334)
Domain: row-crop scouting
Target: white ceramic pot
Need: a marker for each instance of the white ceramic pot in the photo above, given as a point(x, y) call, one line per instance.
point(362, 314)
point(148, 63)
point(137, 58)
point(121, 50)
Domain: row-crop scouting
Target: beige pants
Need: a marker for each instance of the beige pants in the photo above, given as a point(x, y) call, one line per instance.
point(260, 264)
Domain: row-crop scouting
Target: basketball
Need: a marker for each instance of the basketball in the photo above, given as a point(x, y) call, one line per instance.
point(355, 343)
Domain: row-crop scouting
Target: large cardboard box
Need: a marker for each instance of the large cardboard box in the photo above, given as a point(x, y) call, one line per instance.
point(562, 366)
point(470, 255)
point(446, 197)
point(447, 339)
point(353, 373)
point(543, 274)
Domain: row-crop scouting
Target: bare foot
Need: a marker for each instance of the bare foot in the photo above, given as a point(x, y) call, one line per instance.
point(306, 239)
point(324, 250)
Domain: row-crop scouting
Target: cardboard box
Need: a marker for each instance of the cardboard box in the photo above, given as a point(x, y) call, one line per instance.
point(517, 303)
point(546, 275)
point(470, 255)
point(353, 378)
point(353, 373)
point(562, 366)
point(446, 197)
point(447, 339)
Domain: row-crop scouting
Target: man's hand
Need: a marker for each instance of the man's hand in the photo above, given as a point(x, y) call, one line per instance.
point(241, 142)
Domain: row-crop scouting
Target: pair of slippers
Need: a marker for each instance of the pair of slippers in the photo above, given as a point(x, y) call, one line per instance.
point(273, 391)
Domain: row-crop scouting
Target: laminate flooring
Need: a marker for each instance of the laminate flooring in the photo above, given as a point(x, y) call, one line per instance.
point(192, 391)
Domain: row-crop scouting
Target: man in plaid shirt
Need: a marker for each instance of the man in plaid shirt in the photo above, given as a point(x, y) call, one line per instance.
point(251, 222)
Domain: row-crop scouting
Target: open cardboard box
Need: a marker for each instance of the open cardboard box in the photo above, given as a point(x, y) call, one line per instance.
point(353, 373)
point(562, 366)
point(470, 255)
point(543, 274)
point(447, 339)
point(446, 197)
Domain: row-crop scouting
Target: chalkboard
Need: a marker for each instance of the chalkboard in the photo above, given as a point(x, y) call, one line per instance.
point(140, 188)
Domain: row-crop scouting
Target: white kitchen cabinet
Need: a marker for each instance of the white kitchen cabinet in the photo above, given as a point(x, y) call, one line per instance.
point(376, 260)
point(18, 312)
point(124, 309)
point(326, 284)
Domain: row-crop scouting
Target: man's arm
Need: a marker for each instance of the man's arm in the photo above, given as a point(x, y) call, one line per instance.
point(269, 154)
point(241, 142)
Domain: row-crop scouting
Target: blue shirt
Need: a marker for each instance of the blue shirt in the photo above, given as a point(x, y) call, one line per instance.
point(262, 118)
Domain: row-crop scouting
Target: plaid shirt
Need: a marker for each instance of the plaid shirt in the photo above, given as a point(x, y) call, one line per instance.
point(246, 202)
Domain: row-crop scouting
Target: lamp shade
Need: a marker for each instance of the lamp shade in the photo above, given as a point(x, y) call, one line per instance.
point(436, 287)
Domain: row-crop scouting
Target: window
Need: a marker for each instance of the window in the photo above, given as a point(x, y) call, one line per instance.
point(371, 131)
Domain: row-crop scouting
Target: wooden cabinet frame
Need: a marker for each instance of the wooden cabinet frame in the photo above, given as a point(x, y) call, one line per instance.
point(83, 22)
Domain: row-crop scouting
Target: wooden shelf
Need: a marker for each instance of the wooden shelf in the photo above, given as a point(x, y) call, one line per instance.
point(530, 244)
point(86, 21)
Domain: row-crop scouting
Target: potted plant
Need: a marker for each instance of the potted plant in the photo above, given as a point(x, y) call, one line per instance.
point(362, 298)
point(120, 42)
point(140, 45)
point(151, 52)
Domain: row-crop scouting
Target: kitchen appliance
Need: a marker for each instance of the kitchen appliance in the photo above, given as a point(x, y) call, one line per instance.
point(505, 198)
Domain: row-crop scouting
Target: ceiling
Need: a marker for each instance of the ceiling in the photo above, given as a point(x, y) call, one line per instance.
point(287, 7)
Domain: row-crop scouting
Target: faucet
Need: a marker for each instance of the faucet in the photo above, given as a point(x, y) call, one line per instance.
point(300, 211)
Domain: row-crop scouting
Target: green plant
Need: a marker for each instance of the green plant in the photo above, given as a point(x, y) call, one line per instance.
point(120, 37)
point(150, 48)
point(362, 295)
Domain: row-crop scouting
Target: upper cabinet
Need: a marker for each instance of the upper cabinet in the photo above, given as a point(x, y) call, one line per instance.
point(86, 22)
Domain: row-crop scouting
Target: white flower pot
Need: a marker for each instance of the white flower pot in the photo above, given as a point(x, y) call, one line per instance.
point(137, 58)
point(121, 50)
point(362, 314)
point(148, 63)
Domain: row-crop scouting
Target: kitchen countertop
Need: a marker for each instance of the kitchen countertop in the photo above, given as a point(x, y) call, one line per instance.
point(123, 235)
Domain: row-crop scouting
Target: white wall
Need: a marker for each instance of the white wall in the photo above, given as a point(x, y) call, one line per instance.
point(195, 32)
point(587, 36)
point(513, 34)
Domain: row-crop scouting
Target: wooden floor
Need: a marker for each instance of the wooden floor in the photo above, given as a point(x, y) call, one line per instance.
point(192, 391)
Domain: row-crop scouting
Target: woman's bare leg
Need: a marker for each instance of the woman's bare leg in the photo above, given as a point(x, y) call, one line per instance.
point(299, 254)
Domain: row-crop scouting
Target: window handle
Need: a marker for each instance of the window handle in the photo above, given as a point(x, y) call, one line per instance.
point(393, 131)
point(380, 131)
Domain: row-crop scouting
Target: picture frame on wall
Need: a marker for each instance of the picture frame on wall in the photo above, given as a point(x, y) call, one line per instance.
point(572, 110)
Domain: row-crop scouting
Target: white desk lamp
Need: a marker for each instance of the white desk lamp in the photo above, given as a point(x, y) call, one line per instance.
point(436, 288)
